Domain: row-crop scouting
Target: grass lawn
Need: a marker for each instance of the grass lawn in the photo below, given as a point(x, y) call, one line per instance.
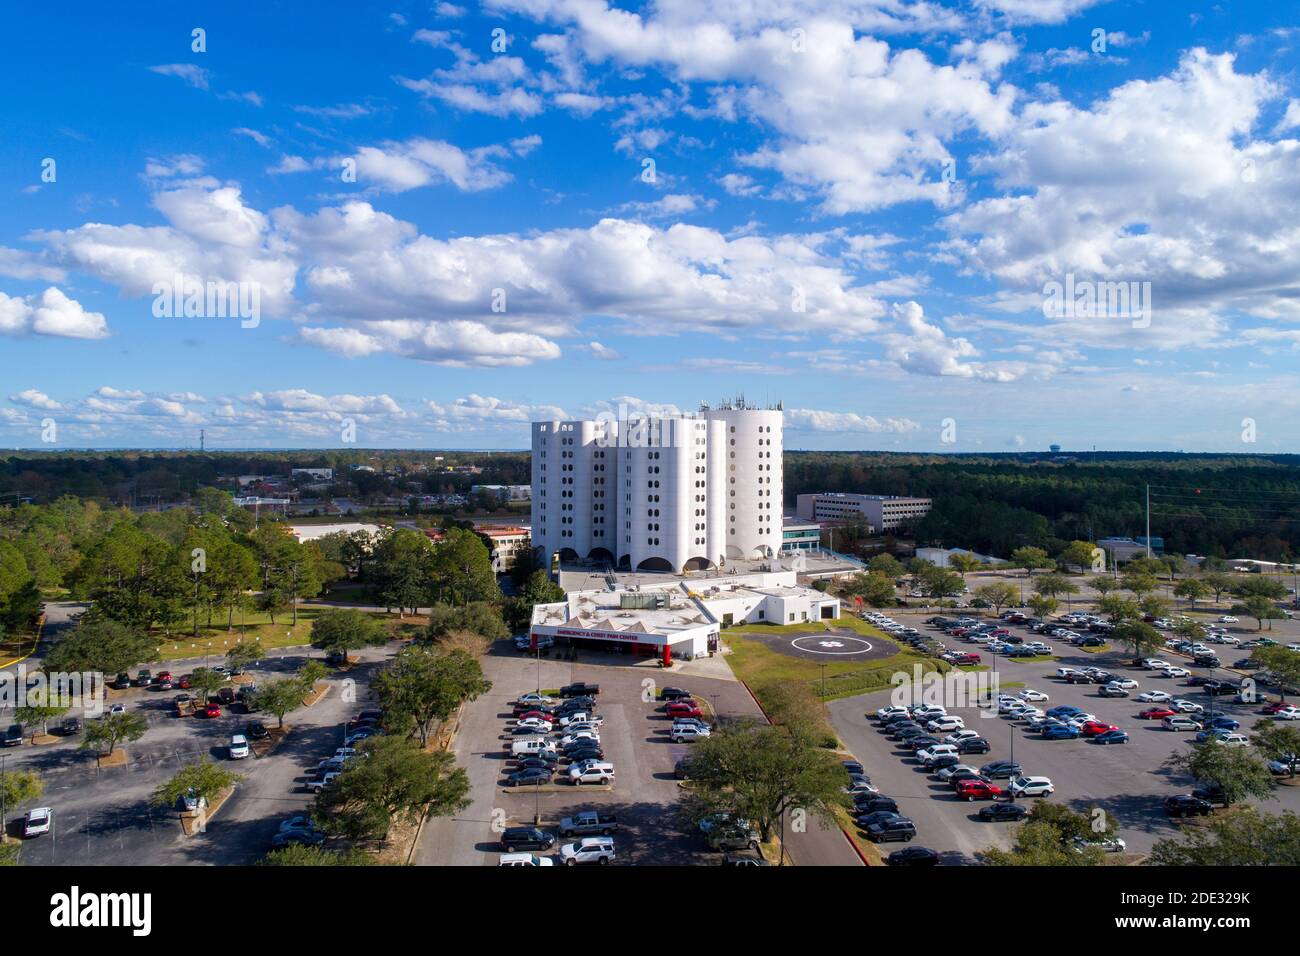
point(216, 641)
point(1095, 650)
point(757, 665)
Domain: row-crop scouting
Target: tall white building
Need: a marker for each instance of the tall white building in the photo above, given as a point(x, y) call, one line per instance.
point(673, 493)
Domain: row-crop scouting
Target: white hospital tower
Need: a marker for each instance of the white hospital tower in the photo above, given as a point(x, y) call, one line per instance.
point(676, 493)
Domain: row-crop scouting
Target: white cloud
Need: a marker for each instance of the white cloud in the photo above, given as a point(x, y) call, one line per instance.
point(808, 419)
point(195, 76)
point(33, 398)
point(50, 313)
point(475, 412)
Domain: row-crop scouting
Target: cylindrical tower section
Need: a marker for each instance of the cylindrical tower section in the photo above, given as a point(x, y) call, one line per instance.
point(751, 482)
point(712, 491)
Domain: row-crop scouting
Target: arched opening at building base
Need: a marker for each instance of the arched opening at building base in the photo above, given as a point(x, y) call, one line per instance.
point(697, 564)
point(655, 564)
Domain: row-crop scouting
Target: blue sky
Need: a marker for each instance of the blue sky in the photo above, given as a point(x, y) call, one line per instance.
point(855, 209)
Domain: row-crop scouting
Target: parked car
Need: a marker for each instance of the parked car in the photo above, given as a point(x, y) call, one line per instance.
point(238, 747)
point(13, 735)
point(37, 821)
point(580, 689)
point(256, 730)
point(594, 849)
point(524, 859)
point(1186, 805)
point(895, 829)
point(978, 790)
point(529, 777)
point(1003, 812)
point(526, 838)
point(1111, 737)
point(1032, 787)
point(913, 856)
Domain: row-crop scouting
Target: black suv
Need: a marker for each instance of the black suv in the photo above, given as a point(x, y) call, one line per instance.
point(973, 745)
point(1186, 805)
point(121, 681)
point(143, 679)
point(897, 829)
point(526, 838)
point(913, 856)
point(256, 730)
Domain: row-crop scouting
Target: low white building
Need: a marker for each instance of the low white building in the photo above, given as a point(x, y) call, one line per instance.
point(310, 532)
point(677, 620)
point(941, 557)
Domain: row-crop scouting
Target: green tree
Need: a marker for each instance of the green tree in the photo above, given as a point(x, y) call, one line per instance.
point(1138, 636)
point(875, 588)
point(1220, 582)
point(300, 855)
point(477, 617)
point(421, 687)
point(758, 772)
point(461, 570)
point(939, 583)
point(1031, 559)
point(42, 713)
point(1055, 585)
point(280, 697)
point(343, 630)
point(1117, 609)
point(1140, 584)
point(1156, 606)
point(1277, 741)
point(1103, 585)
point(1192, 590)
point(203, 778)
point(1078, 554)
point(964, 563)
point(394, 781)
point(518, 612)
point(17, 786)
point(1283, 663)
point(1261, 609)
point(1053, 835)
point(401, 574)
point(111, 730)
point(999, 594)
point(886, 564)
point(1238, 770)
point(102, 645)
point(310, 673)
point(1245, 837)
point(244, 653)
point(205, 682)
point(1043, 606)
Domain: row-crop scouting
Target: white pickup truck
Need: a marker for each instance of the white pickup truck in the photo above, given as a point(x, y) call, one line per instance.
point(588, 823)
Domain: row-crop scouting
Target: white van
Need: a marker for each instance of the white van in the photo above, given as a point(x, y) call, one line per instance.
point(531, 746)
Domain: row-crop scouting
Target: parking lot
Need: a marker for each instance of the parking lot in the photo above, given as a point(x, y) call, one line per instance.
point(1127, 781)
point(634, 737)
point(103, 817)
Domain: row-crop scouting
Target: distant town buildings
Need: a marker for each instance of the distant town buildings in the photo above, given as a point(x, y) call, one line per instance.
point(505, 492)
point(319, 474)
point(882, 513)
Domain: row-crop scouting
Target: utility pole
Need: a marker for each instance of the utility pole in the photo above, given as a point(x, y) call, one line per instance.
point(1148, 521)
point(202, 439)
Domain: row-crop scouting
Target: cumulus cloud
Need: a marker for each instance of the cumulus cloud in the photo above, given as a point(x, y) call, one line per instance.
point(50, 313)
point(815, 420)
point(195, 76)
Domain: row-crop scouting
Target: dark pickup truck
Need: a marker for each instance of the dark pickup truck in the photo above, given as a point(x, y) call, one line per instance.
point(580, 690)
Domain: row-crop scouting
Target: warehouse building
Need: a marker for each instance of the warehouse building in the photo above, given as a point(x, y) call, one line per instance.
point(882, 513)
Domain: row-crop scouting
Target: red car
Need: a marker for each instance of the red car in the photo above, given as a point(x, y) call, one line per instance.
point(978, 790)
point(1157, 713)
point(212, 710)
point(184, 682)
point(683, 708)
point(541, 714)
point(1275, 707)
point(1094, 728)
